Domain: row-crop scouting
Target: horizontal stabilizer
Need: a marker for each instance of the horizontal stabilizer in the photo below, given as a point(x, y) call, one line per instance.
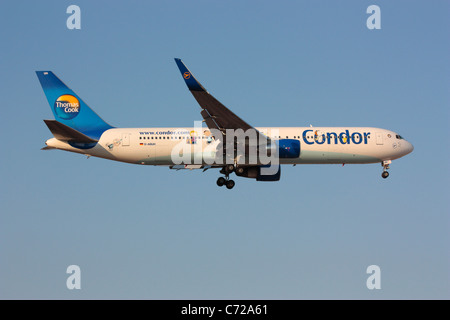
point(48, 148)
point(65, 133)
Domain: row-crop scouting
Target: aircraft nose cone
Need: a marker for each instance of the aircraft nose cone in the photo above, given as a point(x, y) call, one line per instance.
point(409, 147)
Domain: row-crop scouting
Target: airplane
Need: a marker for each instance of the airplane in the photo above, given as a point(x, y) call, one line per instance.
point(227, 142)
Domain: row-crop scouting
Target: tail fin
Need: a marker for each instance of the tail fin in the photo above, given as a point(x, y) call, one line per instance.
point(69, 109)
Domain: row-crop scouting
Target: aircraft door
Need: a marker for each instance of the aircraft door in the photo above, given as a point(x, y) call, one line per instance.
point(125, 139)
point(379, 138)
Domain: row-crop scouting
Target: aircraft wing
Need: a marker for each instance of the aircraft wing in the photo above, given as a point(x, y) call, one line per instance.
point(214, 113)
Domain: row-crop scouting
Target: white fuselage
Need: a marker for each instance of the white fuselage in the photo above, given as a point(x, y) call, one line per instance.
point(327, 145)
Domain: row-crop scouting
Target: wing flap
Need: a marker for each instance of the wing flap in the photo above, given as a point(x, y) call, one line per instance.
point(217, 116)
point(223, 117)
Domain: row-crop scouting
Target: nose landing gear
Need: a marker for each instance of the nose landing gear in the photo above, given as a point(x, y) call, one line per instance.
point(385, 164)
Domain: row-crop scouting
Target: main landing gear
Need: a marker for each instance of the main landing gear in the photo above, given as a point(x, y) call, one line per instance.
point(385, 164)
point(225, 181)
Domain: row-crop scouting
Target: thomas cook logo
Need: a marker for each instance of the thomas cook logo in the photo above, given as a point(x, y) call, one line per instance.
point(186, 75)
point(67, 107)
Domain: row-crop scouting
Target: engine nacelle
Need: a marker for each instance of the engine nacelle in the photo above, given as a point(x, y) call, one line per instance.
point(288, 148)
point(255, 173)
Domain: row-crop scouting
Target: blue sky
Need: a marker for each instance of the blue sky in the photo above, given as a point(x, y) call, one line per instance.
point(152, 233)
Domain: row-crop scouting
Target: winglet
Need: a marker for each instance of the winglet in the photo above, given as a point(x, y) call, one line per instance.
point(188, 77)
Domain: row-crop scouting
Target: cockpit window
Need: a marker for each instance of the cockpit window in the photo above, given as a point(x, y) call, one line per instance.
point(398, 136)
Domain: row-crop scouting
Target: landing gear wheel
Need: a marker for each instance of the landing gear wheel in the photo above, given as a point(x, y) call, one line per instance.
point(229, 168)
point(385, 174)
point(221, 181)
point(230, 184)
point(239, 171)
